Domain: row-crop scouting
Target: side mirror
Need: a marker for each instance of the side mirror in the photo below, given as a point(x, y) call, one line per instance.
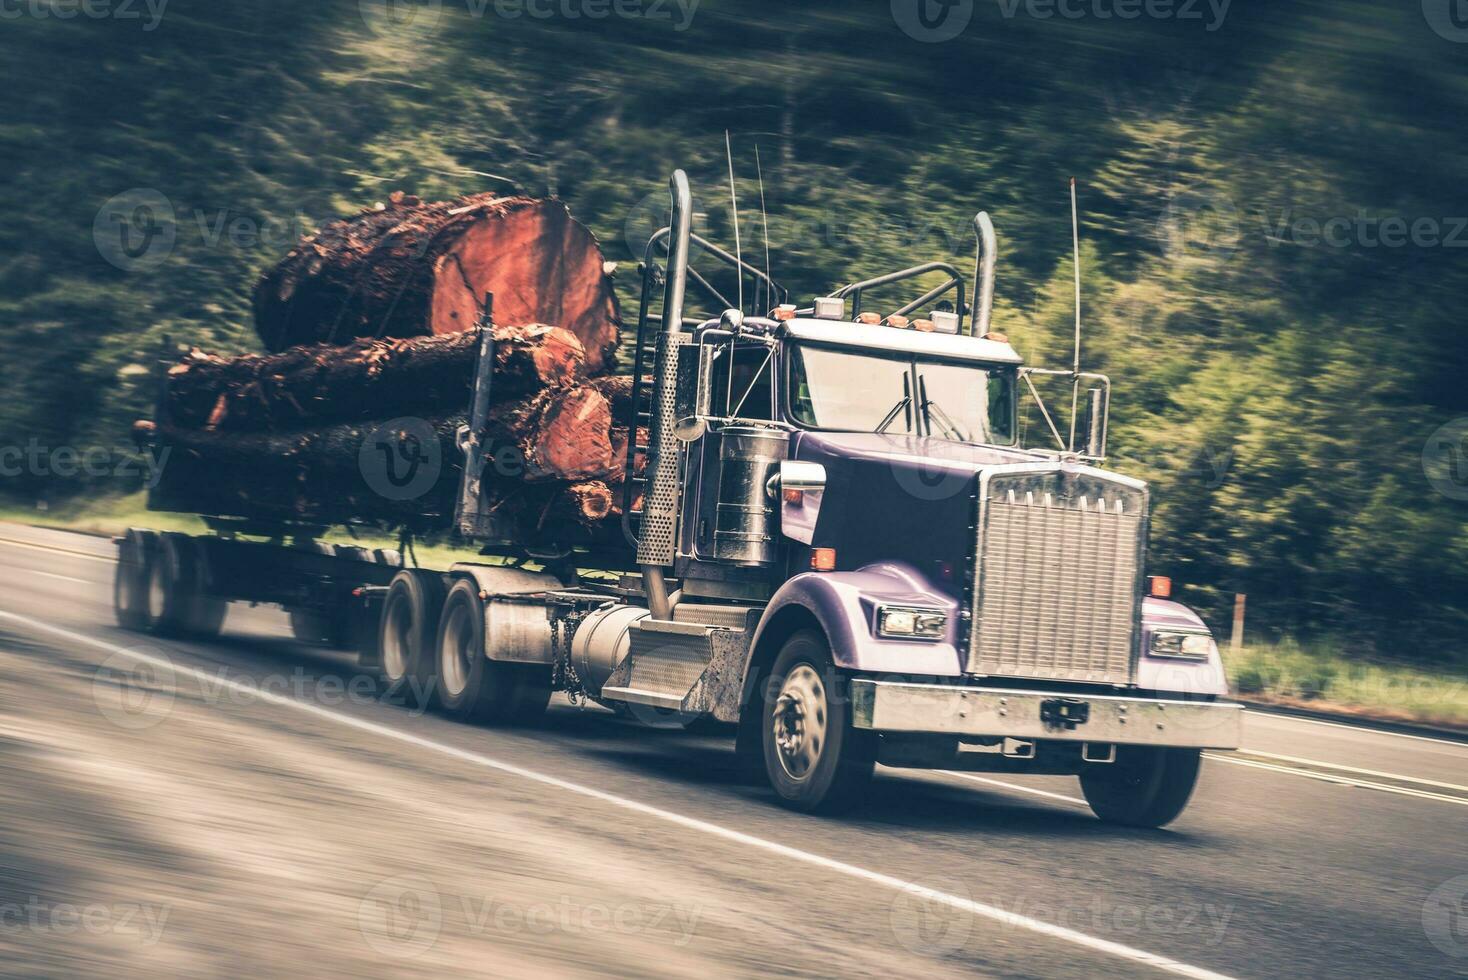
point(695, 398)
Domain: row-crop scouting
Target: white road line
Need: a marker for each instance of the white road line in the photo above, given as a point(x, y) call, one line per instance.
point(1360, 772)
point(1358, 729)
point(994, 913)
point(1326, 777)
point(64, 578)
point(11, 542)
point(1019, 789)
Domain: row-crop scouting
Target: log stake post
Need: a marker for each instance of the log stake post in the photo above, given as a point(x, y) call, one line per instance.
point(1236, 642)
point(472, 521)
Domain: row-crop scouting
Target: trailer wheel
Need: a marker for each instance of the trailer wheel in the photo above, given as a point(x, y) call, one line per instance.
point(176, 603)
point(130, 582)
point(815, 759)
point(406, 632)
point(470, 684)
point(1144, 787)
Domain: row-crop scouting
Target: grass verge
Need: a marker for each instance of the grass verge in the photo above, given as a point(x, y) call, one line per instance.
point(1321, 678)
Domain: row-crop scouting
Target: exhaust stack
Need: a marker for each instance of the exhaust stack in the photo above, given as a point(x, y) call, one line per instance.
point(659, 528)
point(984, 273)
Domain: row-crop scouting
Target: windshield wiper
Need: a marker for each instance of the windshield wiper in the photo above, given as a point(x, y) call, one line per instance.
point(951, 431)
point(903, 405)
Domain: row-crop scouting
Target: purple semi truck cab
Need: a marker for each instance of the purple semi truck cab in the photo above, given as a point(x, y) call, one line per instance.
point(846, 550)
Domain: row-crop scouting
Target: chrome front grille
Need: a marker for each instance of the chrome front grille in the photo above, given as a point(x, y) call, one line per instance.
point(1057, 583)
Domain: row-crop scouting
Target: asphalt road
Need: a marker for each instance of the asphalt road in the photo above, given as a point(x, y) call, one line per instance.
point(245, 807)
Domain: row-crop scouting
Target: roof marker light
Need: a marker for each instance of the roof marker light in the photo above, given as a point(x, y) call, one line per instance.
point(944, 321)
point(785, 311)
point(830, 308)
point(872, 318)
point(897, 320)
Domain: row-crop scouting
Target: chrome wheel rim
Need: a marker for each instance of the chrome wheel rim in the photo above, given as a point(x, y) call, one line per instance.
point(395, 640)
point(456, 652)
point(800, 721)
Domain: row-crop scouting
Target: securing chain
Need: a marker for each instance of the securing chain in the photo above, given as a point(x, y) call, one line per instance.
point(563, 672)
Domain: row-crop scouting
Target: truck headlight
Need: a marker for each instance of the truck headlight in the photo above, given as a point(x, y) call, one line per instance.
point(1185, 646)
point(908, 623)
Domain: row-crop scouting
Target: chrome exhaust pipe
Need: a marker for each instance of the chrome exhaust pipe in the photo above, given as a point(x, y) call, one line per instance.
point(655, 549)
point(988, 252)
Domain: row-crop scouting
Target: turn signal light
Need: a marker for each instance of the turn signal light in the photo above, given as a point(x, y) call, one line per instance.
point(793, 496)
point(823, 559)
point(1159, 586)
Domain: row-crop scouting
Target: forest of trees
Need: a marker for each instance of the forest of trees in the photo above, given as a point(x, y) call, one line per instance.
point(1274, 217)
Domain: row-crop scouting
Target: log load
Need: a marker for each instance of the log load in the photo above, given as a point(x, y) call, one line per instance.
point(411, 268)
point(317, 384)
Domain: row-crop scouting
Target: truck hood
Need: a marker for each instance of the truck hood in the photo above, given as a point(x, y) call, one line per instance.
point(924, 453)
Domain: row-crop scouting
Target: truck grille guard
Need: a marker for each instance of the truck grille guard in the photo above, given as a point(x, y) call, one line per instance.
point(1056, 581)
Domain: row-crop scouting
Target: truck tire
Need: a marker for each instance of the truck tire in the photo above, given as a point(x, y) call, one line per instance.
point(815, 760)
point(470, 685)
point(406, 633)
point(177, 604)
point(130, 581)
point(1144, 787)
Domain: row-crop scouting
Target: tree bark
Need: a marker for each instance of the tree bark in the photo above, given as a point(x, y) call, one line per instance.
point(364, 379)
point(410, 268)
point(558, 434)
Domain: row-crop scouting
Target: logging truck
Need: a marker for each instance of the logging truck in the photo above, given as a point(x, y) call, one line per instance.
point(831, 541)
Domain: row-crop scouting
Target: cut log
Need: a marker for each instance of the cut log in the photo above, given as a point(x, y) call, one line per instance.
point(409, 268)
point(617, 390)
point(335, 474)
point(558, 434)
point(364, 379)
point(583, 504)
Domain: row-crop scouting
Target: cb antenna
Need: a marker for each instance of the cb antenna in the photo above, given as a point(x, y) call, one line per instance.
point(1075, 367)
point(765, 224)
point(734, 206)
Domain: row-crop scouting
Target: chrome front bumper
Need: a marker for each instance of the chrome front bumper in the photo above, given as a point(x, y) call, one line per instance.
point(942, 709)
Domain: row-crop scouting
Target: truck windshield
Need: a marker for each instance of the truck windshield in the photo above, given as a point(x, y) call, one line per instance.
point(833, 388)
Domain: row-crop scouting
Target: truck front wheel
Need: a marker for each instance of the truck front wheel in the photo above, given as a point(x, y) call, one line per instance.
point(470, 685)
point(1144, 787)
point(815, 760)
